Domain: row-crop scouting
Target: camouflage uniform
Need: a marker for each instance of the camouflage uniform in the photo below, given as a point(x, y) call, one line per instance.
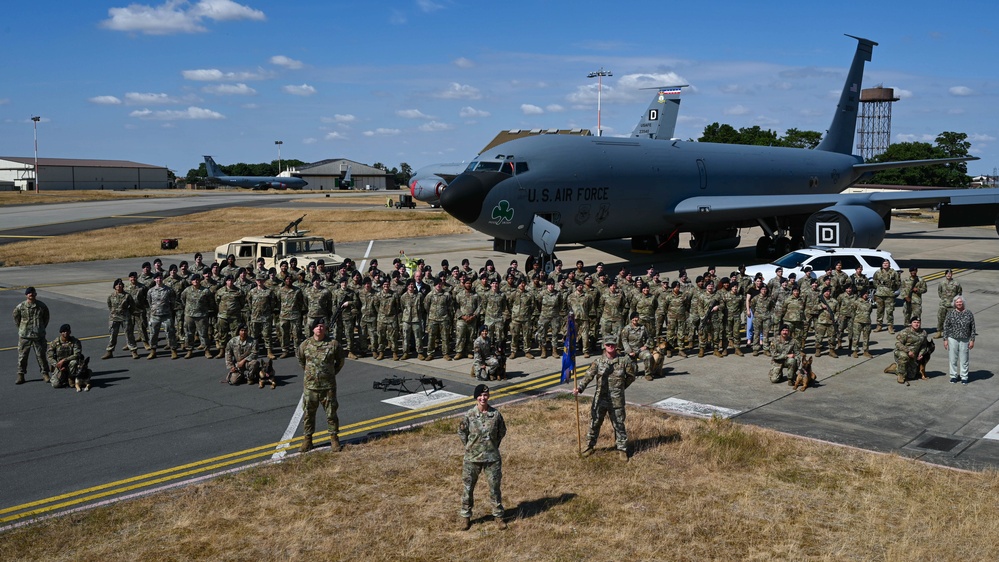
point(345, 325)
point(321, 360)
point(581, 304)
point(481, 433)
point(496, 308)
point(912, 291)
point(886, 282)
point(161, 299)
point(946, 290)
point(140, 316)
point(521, 308)
point(735, 304)
point(645, 305)
point(549, 321)
point(120, 307)
point(781, 365)
point(612, 376)
point(178, 284)
point(862, 326)
point(291, 305)
point(230, 302)
point(792, 313)
point(31, 319)
point(485, 364)
point(412, 319)
point(712, 321)
point(198, 304)
point(467, 305)
point(844, 318)
point(261, 303)
point(613, 305)
point(906, 341)
point(70, 351)
point(388, 323)
point(237, 350)
point(635, 343)
point(318, 305)
point(762, 306)
point(825, 324)
point(676, 304)
point(438, 305)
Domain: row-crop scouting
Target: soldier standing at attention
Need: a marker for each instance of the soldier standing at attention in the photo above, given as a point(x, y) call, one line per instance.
point(140, 320)
point(321, 358)
point(613, 374)
point(120, 307)
point(886, 282)
point(161, 300)
point(481, 431)
point(912, 292)
point(946, 290)
point(31, 318)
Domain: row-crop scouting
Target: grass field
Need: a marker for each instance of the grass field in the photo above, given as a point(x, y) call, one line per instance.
point(204, 231)
point(693, 490)
point(45, 197)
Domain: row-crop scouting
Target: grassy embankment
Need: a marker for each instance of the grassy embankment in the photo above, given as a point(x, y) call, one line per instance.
point(694, 490)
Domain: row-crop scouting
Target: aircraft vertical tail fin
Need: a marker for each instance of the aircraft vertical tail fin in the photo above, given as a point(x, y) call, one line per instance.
point(214, 171)
point(659, 120)
point(841, 132)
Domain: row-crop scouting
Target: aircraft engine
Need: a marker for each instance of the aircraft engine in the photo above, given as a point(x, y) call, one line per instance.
point(845, 226)
point(427, 189)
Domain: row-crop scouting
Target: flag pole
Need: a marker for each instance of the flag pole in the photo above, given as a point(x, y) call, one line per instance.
point(579, 435)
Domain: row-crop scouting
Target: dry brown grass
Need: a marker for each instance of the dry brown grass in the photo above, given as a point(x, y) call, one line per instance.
point(45, 197)
point(377, 200)
point(204, 231)
point(694, 490)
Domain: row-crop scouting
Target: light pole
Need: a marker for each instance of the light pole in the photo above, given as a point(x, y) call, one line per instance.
point(279, 143)
point(34, 122)
point(599, 75)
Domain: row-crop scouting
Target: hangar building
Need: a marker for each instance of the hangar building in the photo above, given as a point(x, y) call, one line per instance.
point(328, 174)
point(74, 174)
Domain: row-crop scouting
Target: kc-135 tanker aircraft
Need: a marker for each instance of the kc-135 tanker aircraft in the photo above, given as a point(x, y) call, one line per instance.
point(534, 192)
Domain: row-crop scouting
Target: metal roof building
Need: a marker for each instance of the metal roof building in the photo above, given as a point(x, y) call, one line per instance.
point(327, 174)
point(76, 174)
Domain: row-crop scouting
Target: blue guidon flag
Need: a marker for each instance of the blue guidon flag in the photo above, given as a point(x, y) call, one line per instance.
point(569, 350)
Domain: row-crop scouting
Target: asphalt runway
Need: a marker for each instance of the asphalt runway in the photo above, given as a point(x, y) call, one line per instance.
point(149, 424)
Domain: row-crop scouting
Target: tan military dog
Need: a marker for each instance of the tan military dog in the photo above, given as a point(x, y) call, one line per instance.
point(659, 351)
point(805, 375)
point(921, 364)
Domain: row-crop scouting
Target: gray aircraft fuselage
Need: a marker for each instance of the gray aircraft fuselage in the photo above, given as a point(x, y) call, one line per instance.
point(262, 182)
point(598, 188)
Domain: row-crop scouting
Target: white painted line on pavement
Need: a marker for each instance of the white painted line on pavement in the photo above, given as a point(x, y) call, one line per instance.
point(296, 419)
point(365, 258)
point(994, 434)
point(688, 408)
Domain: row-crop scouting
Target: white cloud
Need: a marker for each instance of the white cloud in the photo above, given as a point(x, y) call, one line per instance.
point(434, 126)
point(468, 112)
point(979, 137)
point(902, 94)
point(462, 62)
point(339, 118)
point(736, 110)
point(239, 89)
point(309, 140)
point(5, 101)
point(528, 109)
point(554, 108)
point(413, 114)
point(173, 115)
point(738, 89)
point(302, 90)
point(286, 62)
point(428, 6)
point(915, 138)
point(137, 98)
point(383, 132)
point(216, 75)
point(103, 100)
point(335, 136)
point(459, 91)
point(174, 16)
point(961, 91)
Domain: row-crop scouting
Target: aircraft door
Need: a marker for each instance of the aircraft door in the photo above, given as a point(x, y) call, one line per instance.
point(702, 172)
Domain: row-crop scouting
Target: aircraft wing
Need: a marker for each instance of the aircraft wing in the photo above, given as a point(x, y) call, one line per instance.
point(711, 210)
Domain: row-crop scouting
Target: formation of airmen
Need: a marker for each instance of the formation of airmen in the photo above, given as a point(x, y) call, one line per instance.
point(418, 312)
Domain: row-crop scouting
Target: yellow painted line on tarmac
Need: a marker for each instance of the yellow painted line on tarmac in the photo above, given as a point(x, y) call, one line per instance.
point(54, 503)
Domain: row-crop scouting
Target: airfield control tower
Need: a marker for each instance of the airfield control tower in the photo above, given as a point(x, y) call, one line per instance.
point(874, 121)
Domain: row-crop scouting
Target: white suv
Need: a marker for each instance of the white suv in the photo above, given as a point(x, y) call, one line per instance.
point(820, 259)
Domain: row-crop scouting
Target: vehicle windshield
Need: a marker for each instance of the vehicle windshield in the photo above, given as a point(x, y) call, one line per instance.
point(310, 245)
point(792, 260)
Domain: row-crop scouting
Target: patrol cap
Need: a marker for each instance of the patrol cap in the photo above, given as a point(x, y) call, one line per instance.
point(792, 275)
point(29, 291)
point(610, 340)
point(262, 276)
point(64, 328)
point(233, 256)
point(479, 390)
point(682, 272)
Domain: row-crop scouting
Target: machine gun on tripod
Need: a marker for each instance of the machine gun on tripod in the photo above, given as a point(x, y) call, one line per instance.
point(398, 384)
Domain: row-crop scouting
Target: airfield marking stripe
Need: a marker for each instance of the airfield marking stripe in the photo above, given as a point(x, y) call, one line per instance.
point(289, 431)
point(143, 481)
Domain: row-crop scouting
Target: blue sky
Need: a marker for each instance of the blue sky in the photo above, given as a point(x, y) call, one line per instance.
point(425, 81)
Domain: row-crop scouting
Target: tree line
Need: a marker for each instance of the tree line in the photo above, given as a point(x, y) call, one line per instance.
point(270, 169)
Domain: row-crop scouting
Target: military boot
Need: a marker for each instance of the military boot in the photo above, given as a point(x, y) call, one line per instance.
point(107, 355)
point(721, 348)
point(544, 352)
point(529, 355)
point(623, 455)
point(878, 329)
point(306, 444)
point(500, 524)
point(395, 356)
point(717, 352)
point(464, 523)
point(700, 352)
point(173, 354)
point(901, 378)
point(891, 329)
point(404, 356)
point(20, 379)
point(867, 353)
point(351, 355)
point(209, 354)
point(447, 357)
point(380, 356)
point(421, 357)
point(738, 351)
point(513, 354)
point(756, 352)
point(855, 355)
point(832, 352)
point(45, 377)
point(135, 354)
point(147, 346)
point(587, 452)
point(152, 355)
point(189, 354)
point(335, 444)
point(681, 353)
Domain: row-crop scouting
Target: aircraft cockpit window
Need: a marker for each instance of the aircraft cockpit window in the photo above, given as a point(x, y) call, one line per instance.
point(491, 167)
point(521, 167)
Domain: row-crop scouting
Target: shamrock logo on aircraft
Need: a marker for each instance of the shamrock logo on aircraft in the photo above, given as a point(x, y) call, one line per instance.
point(502, 213)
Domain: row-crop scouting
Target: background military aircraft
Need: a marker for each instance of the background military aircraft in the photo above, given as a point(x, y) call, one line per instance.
point(658, 122)
point(534, 192)
point(252, 182)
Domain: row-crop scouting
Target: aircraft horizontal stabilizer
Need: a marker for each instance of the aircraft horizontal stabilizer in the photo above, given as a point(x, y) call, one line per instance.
point(878, 166)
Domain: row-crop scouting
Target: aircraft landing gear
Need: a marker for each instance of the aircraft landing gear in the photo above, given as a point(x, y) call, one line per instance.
point(656, 244)
point(767, 248)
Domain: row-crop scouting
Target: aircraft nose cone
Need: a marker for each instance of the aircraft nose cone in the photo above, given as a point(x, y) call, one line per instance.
point(464, 196)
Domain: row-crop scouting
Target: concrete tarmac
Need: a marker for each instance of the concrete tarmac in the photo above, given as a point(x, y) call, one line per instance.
point(155, 417)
